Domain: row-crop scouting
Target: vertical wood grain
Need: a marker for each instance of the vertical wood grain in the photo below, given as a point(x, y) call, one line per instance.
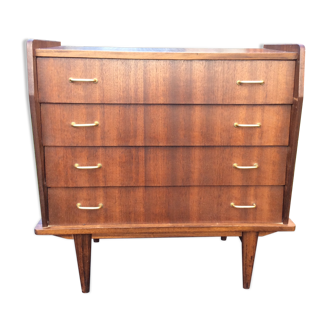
point(165, 81)
point(36, 120)
point(83, 254)
point(164, 205)
point(164, 166)
point(296, 113)
point(249, 244)
point(164, 125)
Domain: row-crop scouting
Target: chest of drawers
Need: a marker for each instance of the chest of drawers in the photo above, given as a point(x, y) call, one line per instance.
point(164, 142)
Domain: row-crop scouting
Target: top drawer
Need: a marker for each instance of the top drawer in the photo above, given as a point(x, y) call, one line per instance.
point(165, 81)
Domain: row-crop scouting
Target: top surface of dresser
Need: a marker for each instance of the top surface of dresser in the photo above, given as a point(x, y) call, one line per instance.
point(165, 53)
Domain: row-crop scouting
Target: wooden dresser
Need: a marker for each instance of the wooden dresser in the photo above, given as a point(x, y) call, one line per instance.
point(142, 142)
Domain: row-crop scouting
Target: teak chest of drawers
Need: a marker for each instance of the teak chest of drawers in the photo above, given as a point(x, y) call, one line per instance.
point(164, 142)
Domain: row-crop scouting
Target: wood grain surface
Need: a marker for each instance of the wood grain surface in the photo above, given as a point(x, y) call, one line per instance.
point(36, 120)
point(159, 205)
point(164, 230)
point(165, 53)
point(164, 166)
point(249, 245)
point(165, 81)
point(296, 120)
point(164, 125)
point(83, 254)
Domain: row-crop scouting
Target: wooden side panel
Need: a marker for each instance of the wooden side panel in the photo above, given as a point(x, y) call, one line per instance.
point(35, 119)
point(160, 205)
point(295, 121)
point(164, 166)
point(164, 125)
point(165, 81)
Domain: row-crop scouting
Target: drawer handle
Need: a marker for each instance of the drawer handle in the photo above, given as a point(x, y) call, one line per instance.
point(73, 80)
point(89, 208)
point(250, 82)
point(87, 167)
point(256, 125)
point(243, 206)
point(245, 167)
point(73, 124)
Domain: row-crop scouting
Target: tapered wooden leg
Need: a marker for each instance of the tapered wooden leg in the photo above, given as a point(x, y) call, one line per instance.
point(223, 238)
point(95, 240)
point(83, 253)
point(249, 244)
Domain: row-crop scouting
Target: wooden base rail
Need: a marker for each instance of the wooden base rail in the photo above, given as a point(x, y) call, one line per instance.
point(83, 236)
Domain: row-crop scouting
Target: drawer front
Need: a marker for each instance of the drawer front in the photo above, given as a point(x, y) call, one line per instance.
point(164, 125)
point(164, 166)
point(165, 81)
point(154, 205)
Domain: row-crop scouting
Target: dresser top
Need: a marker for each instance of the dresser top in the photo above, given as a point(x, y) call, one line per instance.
point(165, 53)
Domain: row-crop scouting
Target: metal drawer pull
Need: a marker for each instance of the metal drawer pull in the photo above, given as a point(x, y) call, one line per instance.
point(256, 125)
point(250, 82)
point(245, 167)
point(87, 167)
point(73, 124)
point(89, 208)
point(73, 80)
point(243, 206)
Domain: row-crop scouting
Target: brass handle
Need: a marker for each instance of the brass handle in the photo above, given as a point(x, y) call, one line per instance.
point(89, 208)
point(73, 80)
point(243, 206)
point(87, 167)
point(73, 124)
point(245, 167)
point(250, 82)
point(256, 125)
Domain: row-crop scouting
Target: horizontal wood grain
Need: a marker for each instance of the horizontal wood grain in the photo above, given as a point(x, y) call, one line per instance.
point(164, 125)
point(159, 205)
point(179, 233)
point(164, 53)
point(163, 230)
point(165, 81)
point(164, 166)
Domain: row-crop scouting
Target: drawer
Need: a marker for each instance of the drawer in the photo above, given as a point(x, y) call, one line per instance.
point(164, 125)
point(164, 166)
point(157, 205)
point(165, 81)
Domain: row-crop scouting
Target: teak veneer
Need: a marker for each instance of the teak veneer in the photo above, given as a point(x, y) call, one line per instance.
point(146, 142)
